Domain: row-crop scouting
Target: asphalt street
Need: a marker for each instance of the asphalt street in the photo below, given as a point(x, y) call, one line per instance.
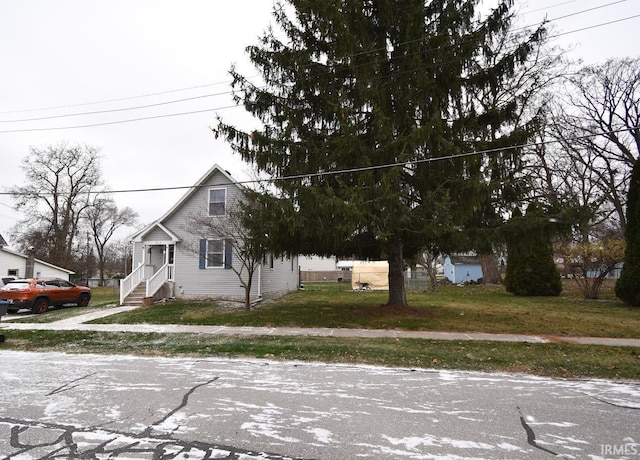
point(55, 405)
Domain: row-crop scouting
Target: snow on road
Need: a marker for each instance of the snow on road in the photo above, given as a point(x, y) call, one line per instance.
point(56, 405)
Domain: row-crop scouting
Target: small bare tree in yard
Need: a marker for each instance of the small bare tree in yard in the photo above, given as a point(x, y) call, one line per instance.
point(427, 258)
point(247, 247)
point(104, 218)
point(591, 263)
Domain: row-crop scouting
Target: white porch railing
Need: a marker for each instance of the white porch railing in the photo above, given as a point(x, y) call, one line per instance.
point(152, 284)
point(159, 278)
point(128, 284)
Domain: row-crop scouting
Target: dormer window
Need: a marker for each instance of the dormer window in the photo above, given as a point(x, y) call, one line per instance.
point(217, 201)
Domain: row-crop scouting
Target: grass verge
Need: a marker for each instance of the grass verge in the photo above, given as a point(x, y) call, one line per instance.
point(471, 308)
point(557, 360)
point(487, 309)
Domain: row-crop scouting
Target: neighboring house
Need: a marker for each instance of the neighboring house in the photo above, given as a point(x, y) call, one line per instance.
point(14, 264)
point(317, 263)
point(171, 260)
point(460, 269)
point(318, 268)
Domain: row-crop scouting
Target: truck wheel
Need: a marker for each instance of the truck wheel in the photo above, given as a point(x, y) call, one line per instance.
point(40, 305)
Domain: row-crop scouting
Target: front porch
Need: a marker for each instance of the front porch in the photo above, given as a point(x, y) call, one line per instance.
point(153, 277)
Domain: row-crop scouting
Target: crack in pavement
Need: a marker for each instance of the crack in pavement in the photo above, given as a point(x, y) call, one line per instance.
point(531, 436)
point(160, 445)
point(67, 386)
point(611, 403)
point(64, 444)
point(183, 404)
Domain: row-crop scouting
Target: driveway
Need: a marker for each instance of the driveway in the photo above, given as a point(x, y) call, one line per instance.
point(92, 406)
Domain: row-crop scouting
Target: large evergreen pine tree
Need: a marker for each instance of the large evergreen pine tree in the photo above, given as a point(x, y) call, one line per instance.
point(628, 286)
point(360, 119)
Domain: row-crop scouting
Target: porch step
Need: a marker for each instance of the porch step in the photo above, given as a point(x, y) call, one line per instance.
point(136, 298)
point(133, 301)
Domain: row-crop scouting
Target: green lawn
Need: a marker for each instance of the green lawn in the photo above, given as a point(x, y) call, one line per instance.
point(558, 360)
point(454, 308)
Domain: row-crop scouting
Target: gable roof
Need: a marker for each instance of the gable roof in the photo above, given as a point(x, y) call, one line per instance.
point(200, 183)
point(42, 262)
point(3, 242)
point(138, 236)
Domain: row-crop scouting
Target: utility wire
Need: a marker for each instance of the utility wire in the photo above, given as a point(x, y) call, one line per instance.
point(230, 92)
point(118, 99)
point(214, 109)
point(122, 109)
point(585, 11)
point(117, 122)
point(602, 24)
point(371, 168)
point(525, 12)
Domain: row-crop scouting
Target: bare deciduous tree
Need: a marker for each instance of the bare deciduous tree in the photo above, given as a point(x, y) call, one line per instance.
point(248, 248)
point(104, 218)
point(597, 125)
point(59, 182)
point(591, 263)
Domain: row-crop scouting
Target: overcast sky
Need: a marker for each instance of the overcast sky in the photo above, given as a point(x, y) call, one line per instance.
point(69, 56)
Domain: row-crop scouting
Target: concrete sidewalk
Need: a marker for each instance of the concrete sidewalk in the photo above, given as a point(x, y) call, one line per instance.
point(79, 323)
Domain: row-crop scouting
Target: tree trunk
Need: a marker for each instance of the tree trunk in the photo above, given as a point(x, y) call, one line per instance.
point(428, 260)
point(490, 271)
point(247, 298)
point(247, 290)
point(397, 296)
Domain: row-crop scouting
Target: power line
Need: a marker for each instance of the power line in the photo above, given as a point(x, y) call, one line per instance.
point(587, 10)
point(213, 109)
point(117, 122)
point(226, 82)
point(122, 109)
point(525, 12)
point(615, 21)
point(105, 101)
point(371, 168)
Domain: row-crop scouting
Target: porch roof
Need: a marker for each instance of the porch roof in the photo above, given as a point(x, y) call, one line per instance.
point(140, 236)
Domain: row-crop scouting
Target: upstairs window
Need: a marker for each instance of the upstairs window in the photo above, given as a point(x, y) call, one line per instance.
point(217, 201)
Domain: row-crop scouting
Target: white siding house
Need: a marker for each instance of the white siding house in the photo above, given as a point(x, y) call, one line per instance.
point(172, 260)
point(14, 264)
point(317, 263)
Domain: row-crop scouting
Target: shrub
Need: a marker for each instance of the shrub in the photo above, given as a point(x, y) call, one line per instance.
point(628, 286)
point(531, 270)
